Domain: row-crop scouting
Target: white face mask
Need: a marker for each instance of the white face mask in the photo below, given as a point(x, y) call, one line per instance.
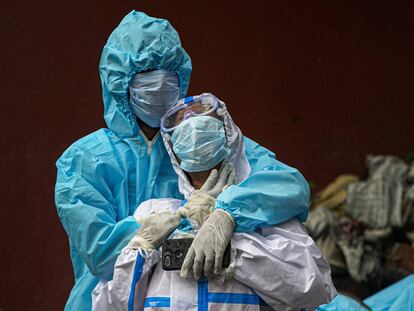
point(152, 94)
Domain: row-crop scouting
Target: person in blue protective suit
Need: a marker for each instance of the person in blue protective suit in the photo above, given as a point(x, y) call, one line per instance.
point(396, 297)
point(103, 177)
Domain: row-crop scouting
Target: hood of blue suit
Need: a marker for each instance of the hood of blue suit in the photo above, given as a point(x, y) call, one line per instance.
point(140, 43)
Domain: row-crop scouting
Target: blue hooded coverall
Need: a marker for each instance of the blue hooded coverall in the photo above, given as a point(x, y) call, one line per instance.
point(105, 175)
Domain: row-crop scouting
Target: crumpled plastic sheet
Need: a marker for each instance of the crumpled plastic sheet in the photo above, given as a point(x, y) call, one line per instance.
point(346, 244)
point(322, 226)
point(352, 220)
point(409, 200)
point(335, 194)
point(378, 201)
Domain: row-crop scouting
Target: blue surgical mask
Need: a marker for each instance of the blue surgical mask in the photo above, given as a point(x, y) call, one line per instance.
point(200, 143)
point(152, 94)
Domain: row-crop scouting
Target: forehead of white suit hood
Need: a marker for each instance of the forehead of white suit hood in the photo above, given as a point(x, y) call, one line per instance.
point(237, 154)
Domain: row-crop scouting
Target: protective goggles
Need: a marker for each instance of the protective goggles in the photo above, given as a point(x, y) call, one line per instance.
point(192, 106)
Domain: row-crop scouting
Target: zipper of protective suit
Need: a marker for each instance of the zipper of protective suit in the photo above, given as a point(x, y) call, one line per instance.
point(149, 143)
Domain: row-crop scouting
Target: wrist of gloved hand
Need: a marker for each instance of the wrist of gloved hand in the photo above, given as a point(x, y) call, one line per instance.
point(202, 202)
point(229, 216)
point(154, 229)
point(198, 208)
point(219, 180)
point(138, 242)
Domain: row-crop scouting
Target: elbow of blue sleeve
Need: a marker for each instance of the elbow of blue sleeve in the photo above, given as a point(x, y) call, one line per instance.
point(266, 198)
point(101, 255)
point(303, 196)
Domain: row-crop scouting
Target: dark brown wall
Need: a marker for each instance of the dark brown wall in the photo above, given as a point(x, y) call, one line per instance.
point(320, 83)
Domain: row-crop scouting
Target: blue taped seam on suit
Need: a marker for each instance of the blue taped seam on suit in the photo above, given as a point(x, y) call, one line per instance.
point(247, 299)
point(139, 263)
point(203, 295)
point(160, 302)
point(231, 298)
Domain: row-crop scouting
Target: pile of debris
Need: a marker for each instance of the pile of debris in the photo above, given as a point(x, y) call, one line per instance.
point(365, 228)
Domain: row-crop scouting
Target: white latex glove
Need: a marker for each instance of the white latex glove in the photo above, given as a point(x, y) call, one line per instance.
point(198, 207)
point(202, 202)
point(154, 229)
point(206, 251)
point(218, 181)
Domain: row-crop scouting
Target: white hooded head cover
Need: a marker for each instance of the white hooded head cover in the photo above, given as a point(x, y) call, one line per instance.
point(237, 155)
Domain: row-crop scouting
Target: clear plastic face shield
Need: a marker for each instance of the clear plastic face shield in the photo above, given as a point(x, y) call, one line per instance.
point(205, 104)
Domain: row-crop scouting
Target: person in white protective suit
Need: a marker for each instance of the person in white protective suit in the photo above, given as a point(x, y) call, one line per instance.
point(277, 267)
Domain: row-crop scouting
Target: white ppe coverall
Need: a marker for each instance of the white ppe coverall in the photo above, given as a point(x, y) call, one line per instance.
point(276, 267)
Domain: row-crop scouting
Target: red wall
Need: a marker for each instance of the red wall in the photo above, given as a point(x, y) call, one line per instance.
point(322, 83)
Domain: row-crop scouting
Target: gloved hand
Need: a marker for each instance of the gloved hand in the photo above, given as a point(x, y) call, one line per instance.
point(202, 202)
point(198, 207)
point(154, 229)
point(218, 181)
point(206, 251)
